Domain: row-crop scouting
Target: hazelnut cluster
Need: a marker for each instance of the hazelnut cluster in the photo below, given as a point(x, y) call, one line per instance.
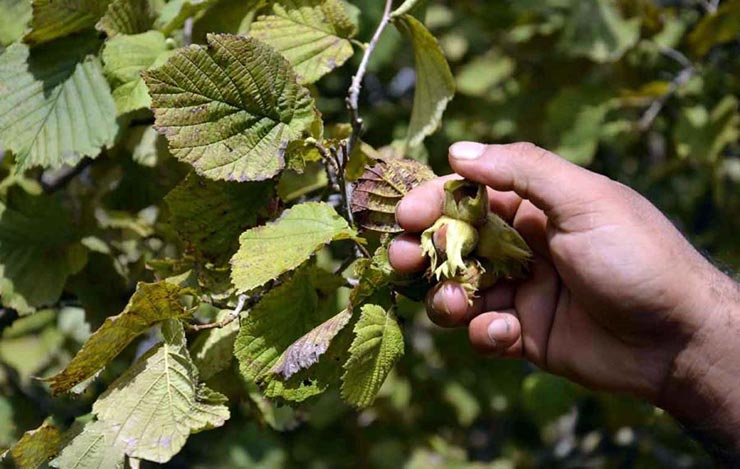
point(471, 245)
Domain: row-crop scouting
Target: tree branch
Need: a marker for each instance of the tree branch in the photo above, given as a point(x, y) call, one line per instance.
point(242, 302)
point(683, 76)
point(65, 176)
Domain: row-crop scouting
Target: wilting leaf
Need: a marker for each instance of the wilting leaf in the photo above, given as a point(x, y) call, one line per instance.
point(719, 27)
point(597, 30)
point(126, 17)
point(267, 252)
point(283, 316)
point(152, 303)
point(210, 215)
point(39, 250)
point(306, 351)
point(14, 16)
point(313, 35)
point(57, 18)
point(124, 58)
point(378, 344)
point(149, 412)
point(230, 109)
point(36, 447)
point(381, 187)
point(435, 85)
point(55, 105)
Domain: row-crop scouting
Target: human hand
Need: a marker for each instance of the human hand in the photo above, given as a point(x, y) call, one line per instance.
point(616, 298)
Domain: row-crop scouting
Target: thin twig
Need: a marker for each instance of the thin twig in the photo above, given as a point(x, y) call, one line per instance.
point(187, 31)
point(66, 176)
point(228, 319)
point(343, 266)
point(681, 78)
point(354, 90)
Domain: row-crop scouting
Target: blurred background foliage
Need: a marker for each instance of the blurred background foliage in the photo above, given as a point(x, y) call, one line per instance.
point(644, 91)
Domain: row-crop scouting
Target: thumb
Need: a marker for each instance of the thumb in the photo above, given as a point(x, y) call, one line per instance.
point(547, 180)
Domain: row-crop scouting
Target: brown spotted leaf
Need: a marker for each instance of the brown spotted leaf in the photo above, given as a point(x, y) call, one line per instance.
point(381, 187)
point(306, 351)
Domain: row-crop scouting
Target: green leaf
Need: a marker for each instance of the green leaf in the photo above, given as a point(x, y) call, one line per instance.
point(381, 188)
point(210, 215)
point(55, 105)
point(39, 250)
point(150, 304)
point(312, 34)
point(175, 12)
point(269, 251)
point(574, 123)
point(14, 16)
point(378, 344)
point(282, 317)
point(230, 109)
point(546, 397)
point(36, 447)
point(306, 351)
point(597, 30)
point(435, 85)
point(701, 134)
point(484, 73)
point(53, 19)
point(126, 17)
point(124, 58)
point(294, 185)
point(406, 7)
point(149, 412)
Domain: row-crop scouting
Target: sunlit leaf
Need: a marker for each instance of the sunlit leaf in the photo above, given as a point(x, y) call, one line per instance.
point(149, 411)
point(312, 34)
point(213, 350)
point(126, 17)
point(230, 109)
point(717, 28)
point(36, 447)
point(151, 304)
point(267, 252)
point(435, 85)
point(701, 134)
point(53, 19)
point(55, 105)
point(124, 58)
point(378, 344)
point(14, 16)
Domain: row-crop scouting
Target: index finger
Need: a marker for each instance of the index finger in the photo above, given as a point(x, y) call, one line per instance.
point(422, 206)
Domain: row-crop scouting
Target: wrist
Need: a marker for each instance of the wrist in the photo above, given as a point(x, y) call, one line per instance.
point(701, 389)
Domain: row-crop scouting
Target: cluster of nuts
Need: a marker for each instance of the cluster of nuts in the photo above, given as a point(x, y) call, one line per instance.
point(470, 245)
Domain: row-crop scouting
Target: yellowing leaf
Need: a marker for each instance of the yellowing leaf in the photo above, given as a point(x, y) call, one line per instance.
point(435, 85)
point(124, 58)
point(230, 109)
point(209, 215)
point(36, 447)
point(152, 303)
point(57, 18)
point(267, 252)
point(312, 34)
point(55, 105)
point(126, 17)
point(149, 412)
point(378, 344)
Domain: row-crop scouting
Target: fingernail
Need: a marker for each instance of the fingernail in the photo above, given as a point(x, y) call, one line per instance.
point(467, 150)
point(498, 330)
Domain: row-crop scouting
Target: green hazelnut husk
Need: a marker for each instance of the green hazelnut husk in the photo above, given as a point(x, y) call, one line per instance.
point(446, 243)
point(475, 277)
point(502, 248)
point(466, 201)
